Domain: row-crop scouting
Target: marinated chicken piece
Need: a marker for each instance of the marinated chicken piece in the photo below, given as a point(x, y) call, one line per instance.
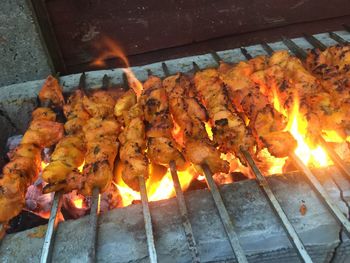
point(132, 150)
point(75, 113)
point(158, 123)
point(99, 104)
point(51, 92)
point(229, 130)
point(102, 147)
point(43, 113)
point(67, 157)
point(189, 114)
point(124, 103)
point(43, 133)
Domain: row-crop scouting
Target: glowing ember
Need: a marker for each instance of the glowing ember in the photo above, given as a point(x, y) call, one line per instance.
point(78, 202)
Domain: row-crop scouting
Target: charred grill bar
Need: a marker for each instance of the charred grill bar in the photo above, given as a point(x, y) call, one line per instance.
point(219, 203)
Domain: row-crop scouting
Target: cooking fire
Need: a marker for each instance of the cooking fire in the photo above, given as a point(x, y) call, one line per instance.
point(272, 114)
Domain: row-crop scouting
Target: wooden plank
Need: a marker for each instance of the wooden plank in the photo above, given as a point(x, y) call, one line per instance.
point(224, 43)
point(148, 26)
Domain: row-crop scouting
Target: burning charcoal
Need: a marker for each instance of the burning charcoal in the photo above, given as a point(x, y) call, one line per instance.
point(37, 202)
point(74, 205)
point(196, 185)
point(25, 220)
point(238, 176)
point(12, 143)
point(110, 199)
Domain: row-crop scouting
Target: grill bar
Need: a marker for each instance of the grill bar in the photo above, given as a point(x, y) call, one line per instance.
point(192, 244)
point(225, 218)
point(322, 193)
point(288, 227)
point(337, 38)
point(51, 229)
point(93, 221)
point(184, 214)
point(315, 42)
point(148, 221)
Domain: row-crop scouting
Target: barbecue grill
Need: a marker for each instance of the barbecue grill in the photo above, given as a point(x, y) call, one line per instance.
point(253, 220)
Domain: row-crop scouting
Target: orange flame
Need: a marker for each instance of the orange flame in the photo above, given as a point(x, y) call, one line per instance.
point(155, 192)
point(110, 49)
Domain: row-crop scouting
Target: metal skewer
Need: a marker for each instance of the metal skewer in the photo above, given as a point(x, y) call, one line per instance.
point(288, 227)
point(267, 48)
point(299, 52)
point(192, 244)
point(148, 221)
point(51, 229)
point(224, 216)
point(145, 207)
point(315, 42)
point(337, 38)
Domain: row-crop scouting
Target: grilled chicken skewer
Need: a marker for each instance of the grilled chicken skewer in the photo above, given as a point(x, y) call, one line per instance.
point(62, 172)
point(161, 147)
point(265, 121)
point(190, 115)
point(229, 130)
point(101, 135)
point(24, 165)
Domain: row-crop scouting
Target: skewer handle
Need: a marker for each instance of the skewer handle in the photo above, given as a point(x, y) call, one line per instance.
point(49, 240)
point(93, 224)
point(184, 214)
point(148, 221)
point(225, 218)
